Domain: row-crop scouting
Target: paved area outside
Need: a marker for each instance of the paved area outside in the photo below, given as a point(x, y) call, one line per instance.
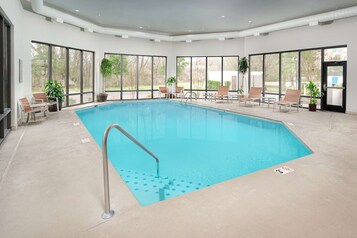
point(51, 186)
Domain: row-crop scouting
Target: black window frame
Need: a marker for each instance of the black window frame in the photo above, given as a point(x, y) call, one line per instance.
point(6, 77)
point(280, 94)
point(222, 71)
point(66, 88)
point(121, 91)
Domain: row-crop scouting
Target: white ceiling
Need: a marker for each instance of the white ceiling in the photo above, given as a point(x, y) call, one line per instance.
point(180, 17)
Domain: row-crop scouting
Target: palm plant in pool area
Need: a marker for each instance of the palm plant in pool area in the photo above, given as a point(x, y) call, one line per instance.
point(106, 69)
point(314, 94)
point(171, 81)
point(243, 68)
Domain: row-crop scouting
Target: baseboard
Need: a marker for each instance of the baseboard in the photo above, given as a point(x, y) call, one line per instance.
point(352, 113)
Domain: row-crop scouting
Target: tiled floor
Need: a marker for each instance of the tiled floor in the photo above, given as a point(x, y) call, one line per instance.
point(51, 186)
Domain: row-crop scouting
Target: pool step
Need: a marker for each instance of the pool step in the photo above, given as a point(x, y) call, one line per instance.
point(149, 189)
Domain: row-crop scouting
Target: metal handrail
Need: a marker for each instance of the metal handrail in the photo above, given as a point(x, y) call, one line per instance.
point(190, 97)
point(108, 213)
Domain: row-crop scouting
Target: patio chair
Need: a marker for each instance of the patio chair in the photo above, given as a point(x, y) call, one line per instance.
point(179, 92)
point(42, 98)
point(254, 95)
point(163, 90)
point(292, 97)
point(221, 93)
point(32, 109)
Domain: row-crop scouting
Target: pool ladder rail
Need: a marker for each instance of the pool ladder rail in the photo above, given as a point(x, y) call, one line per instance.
point(190, 94)
point(108, 213)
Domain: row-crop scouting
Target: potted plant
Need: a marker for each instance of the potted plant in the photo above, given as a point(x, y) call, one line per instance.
point(242, 68)
point(54, 90)
point(314, 93)
point(106, 69)
point(170, 82)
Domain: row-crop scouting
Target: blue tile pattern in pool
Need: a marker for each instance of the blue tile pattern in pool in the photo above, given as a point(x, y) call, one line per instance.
point(197, 146)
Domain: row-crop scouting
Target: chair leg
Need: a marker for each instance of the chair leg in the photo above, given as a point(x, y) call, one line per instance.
point(28, 118)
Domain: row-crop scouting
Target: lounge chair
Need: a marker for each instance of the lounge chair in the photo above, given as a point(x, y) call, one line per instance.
point(32, 109)
point(42, 98)
point(221, 93)
point(179, 92)
point(254, 95)
point(292, 97)
point(163, 90)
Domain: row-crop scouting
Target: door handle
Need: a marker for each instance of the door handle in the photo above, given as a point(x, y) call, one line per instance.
point(324, 87)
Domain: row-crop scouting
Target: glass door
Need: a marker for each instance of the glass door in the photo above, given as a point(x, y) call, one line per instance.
point(334, 86)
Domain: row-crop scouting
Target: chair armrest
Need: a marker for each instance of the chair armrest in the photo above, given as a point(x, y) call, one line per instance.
point(39, 100)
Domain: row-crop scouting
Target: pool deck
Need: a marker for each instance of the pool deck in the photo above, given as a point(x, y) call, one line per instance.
point(52, 186)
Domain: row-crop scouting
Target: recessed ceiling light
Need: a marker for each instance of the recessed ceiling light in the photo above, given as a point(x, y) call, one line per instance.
point(98, 14)
point(141, 27)
point(77, 10)
point(223, 16)
point(249, 22)
point(189, 30)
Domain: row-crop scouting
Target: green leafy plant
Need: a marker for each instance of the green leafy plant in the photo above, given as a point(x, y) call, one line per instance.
point(240, 91)
point(227, 83)
point(53, 90)
point(106, 69)
point(314, 92)
point(211, 84)
point(243, 68)
point(171, 80)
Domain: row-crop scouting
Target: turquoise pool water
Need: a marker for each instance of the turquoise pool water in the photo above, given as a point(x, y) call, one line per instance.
point(197, 146)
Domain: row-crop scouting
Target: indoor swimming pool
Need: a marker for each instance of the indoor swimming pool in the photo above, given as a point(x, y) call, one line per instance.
point(197, 146)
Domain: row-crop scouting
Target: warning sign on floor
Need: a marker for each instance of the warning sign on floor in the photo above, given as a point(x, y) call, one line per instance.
point(283, 170)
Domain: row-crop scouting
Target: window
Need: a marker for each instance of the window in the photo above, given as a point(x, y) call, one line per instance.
point(59, 65)
point(310, 69)
point(207, 73)
point(145, 76)
point(335, 54)
point(159, 74)
point(88, 70)
point(289, 71)
point(135, 76)
point(183, 72)
point(73, 68)
point(214, 73)
point(230, 72)
point(113, 83)
point(256, 71)
point(74, 83)
point(40, 66)
point(198, 73)
point(271, 73)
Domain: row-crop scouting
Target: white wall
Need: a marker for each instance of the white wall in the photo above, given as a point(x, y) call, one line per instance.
point(209, 48)
point(29, 26)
